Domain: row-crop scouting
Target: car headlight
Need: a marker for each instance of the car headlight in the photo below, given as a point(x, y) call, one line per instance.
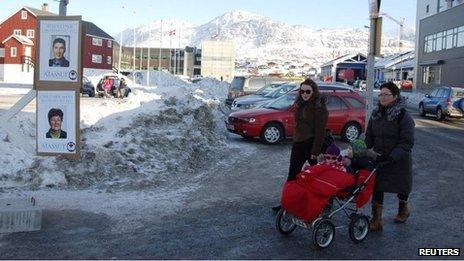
point(249, 120)
point(249, 106)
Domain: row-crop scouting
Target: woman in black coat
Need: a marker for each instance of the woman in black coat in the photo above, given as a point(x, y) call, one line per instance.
point(390, 133)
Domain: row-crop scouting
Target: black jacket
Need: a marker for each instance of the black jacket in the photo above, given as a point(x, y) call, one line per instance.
point(390, 132)
point(63, 134)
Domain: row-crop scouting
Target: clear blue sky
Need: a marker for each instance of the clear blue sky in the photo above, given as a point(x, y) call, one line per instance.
point(313, 13)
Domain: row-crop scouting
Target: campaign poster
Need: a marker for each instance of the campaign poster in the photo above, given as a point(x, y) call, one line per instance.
point(59, 43)
point(56, 122)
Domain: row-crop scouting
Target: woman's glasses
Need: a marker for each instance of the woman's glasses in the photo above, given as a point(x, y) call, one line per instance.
point(305, 91)
point(331, 157)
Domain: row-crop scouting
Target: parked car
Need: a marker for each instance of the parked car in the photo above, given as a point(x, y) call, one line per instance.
point(245, 85)
point(275, 121)
point(259, 93)
point(252, 102)
point(443, 101)
point(114, 88)
point(87, 87)
point(406, 85)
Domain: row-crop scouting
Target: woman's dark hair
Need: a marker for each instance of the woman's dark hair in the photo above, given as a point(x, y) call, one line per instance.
point(392, 87)
point(299, 101)
point(55, 112)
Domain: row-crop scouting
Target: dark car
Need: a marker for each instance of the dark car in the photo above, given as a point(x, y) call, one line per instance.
point(245, 85)
point(275, 121)
point(87, 87)
point(115, 90)
point(443, 101)
point(253, 102)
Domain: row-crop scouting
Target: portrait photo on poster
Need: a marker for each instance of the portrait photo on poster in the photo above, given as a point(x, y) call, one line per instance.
point(59, 50)
point(56, 121)
point(59, 57)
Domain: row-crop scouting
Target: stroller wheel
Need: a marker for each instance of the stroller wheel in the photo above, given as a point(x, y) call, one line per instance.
point(323, 233)
point(359, 228)
point(284, 223)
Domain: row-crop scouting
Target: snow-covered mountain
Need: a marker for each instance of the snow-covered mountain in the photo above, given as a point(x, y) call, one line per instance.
point(260, 39)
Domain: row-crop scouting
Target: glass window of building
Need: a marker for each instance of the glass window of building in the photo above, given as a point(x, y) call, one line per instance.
point(460, 37)
point(431, 75)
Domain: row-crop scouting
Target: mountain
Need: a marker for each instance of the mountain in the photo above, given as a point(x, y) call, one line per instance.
point(260, 39)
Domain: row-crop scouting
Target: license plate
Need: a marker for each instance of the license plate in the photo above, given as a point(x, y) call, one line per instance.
point(230, 127)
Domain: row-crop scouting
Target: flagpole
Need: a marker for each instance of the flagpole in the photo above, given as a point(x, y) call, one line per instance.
point(178, 49)
point(170, 53)
point(133, 66)
point(141, 54)
point(159, 56)
point(148, 61)
point(120, 43)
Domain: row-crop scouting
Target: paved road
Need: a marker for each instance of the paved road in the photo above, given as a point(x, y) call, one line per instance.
point(229, 216)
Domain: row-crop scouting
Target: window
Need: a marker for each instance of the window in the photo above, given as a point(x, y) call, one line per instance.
point(439, 41)
point(355, 103)
point(30, 33)
point(96, 58)
point(109, 44)
point(449, 39)
point(108, 59)
point(434, 93)
point(335, 103)
point(17, 31)
point(97, 41)
point(2, 52)
point(13, 52)
point(24, 15)
point(460, 37)
point(441, 93)
point(431, 75)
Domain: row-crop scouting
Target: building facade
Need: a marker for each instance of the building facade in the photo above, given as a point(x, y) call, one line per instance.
point(218, 59)
point(439, 43)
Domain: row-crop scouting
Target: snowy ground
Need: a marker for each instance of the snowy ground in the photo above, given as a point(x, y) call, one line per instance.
point(143, 152)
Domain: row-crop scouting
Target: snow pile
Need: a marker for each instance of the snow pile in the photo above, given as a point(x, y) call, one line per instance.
point(168, 133)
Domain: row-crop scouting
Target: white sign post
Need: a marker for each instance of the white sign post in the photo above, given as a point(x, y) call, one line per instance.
point(57, 79)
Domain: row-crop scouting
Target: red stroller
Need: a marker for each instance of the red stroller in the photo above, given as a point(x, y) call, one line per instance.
point(317, 194)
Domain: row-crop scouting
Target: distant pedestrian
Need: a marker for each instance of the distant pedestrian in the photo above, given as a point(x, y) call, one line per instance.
point(390, 133)
point(311, 117)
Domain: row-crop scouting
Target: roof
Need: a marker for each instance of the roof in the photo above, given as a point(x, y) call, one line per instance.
point(91, 29)
point(38, 12)
point(393, 59)
point(21, 38)
point(343, 58)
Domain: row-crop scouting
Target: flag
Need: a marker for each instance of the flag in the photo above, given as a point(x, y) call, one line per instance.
point(172, 32)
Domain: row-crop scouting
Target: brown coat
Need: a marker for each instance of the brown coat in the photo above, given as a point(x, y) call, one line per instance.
point(310, 122)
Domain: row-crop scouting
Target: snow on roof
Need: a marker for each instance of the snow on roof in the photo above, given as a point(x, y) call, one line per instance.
point(342, 59)
point(393, 59)
point(21, 38)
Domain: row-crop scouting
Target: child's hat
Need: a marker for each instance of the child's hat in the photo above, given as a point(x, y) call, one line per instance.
point(358, 146)
point(332, 150)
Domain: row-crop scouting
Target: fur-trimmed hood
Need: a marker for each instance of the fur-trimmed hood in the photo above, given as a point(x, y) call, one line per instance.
point(392, 111)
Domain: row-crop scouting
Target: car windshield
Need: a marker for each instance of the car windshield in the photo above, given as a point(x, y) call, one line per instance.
point(281, 90)
point(458, 93)
point(267, 89)
point(237, 83)
point(282, 103)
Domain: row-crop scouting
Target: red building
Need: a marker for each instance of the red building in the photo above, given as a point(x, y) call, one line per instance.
point(18, 46)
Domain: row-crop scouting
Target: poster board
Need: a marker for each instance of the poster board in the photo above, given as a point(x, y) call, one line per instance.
point(57, 80)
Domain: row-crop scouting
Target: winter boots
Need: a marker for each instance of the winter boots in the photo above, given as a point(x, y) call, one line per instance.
point(376, 221)
point(403, 212)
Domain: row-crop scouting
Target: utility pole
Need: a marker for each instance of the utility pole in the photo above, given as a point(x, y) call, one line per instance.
point(159, 56)
point(63, 7)
point(400, 40)
point(148, 61)
point(374, 6)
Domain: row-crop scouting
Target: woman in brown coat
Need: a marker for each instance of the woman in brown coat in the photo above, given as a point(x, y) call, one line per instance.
point(390, 133)
point(311, 117)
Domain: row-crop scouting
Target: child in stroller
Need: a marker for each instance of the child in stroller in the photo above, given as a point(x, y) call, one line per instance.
point(319, 187)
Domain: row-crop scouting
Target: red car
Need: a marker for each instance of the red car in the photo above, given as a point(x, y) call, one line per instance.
point(275, 121)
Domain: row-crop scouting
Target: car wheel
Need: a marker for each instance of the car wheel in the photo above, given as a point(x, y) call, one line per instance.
point(91, 94)
point(350, 132)
point(272, 133)
point(421, 110)
point(439, 114)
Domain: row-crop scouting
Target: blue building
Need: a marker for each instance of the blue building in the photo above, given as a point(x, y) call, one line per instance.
point(356, 62)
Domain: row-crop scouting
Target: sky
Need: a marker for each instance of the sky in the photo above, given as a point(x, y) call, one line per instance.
point(112, 17)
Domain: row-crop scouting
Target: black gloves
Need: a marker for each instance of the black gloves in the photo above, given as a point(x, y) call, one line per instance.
point(383, 161)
